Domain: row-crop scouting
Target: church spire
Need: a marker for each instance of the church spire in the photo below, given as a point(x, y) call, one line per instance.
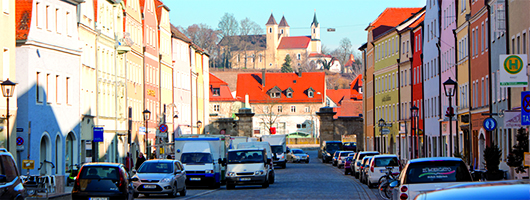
point(315, 22)
point(283, 22)
point(271, 21)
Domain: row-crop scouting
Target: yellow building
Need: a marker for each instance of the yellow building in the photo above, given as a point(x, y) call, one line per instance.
point(166, 69)
point(199, 74)
point(269, 51)
point(7, 41)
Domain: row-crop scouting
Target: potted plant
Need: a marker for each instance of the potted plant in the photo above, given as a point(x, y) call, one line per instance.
point(492, 156)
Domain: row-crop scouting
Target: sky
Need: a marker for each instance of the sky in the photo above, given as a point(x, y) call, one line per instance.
point(348, 17)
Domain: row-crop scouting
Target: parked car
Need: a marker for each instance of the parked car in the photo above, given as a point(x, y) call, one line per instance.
point(341, 157)
point(328, 148)
point(363, 168)
point(103, 180)
point(10, 181)
point(160, 177)
point(349, 146)
point(512, 189)
point(347, 168)
point(377, 168)
point(359, 157)
point(428, 174)
point(298, 155)
point(335, 157)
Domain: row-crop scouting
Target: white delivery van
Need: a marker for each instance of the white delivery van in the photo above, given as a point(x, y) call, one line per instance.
point(247, 166)
point(200, 156)
point(235, 140)
point(278, 147)
point(267, 147)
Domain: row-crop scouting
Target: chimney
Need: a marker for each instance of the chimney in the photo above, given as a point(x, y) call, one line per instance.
point(263, 78)
point(299, 72)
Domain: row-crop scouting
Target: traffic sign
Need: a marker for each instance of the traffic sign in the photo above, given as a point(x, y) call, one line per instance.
point(385, 131)
point(513, 70)
point(162, 128)
point(28, 164)
point(525, 108)
point(20, 141)
point(98, 134)
point(490, 124)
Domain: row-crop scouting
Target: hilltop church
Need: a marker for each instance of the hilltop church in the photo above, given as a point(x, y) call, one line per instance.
point(269, 51)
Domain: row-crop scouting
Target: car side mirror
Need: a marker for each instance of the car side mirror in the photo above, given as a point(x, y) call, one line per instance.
point(134, 179)
point(134, 171)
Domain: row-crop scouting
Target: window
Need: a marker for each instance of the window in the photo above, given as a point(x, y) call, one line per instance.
point(38, 88)
point(293, 108)
point(270, 30)
point(280, 109)
point(298, 56)
point(481, 41)
point(67, 85)
point(275, 95)
point(47, 88)
point(216, 91)
point(266, 109)
point(306, 109)
point(524, 43)
point(216, 107)
point(67, 21)
point(310, 94)
point(57, 20)
point(281, 31)
point(57, 99)
point(5, 6)
point(47, 17)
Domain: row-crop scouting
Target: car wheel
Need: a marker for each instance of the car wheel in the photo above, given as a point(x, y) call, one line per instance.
point(230, 186)
point(307, 161)
point(284, 165)
point(183, 192)
point(174, 191)
point(356, 175)
point(271, 178)
point(345, 172)
point(136, 195)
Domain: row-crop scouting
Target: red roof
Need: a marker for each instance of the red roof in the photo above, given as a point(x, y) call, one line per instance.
point(393, 16)
point(354, 87)
point(349, 108)
point(251, 84)
point(418, 21)
point(350, 61)
point(338, 95)
point(319, 55)
point(23, 10)
point(224, 91)
point(297, 42)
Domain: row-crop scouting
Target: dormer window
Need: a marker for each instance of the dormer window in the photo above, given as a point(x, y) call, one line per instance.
point(310, 94)
point(275, 92)
point(275, 95)
point(289, 92)
point(216, 91)
point(289, 95)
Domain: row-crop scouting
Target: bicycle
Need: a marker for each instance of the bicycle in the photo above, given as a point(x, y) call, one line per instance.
point(385, 190)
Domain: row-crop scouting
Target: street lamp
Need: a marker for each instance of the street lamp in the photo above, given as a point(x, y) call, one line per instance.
point(147, 115)
point(381, 125)
point(199, 124)
point(449, 87)
point(414, 127)
point(8, 89)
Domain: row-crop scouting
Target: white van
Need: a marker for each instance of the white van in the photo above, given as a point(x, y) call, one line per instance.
point(200, 157)
point(267, 147)
point(278, 147)
point(248, 166)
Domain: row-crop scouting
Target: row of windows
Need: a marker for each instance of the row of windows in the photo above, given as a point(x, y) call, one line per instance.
point(266, 109)
point(134, 29)
point(50, 18)
point(462, 48)
point(479, 38)
point(182, 80)
point(134, 72)
point(448, 59)
point(480, 92)
point(152, 74)
point(449, 15)
point(386, 83)
point(53, 88)
point(386, 48)
point(430, 69)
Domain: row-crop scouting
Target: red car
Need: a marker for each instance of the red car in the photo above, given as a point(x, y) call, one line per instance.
point(347, 165)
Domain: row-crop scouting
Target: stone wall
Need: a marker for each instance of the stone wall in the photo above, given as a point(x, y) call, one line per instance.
point(232, 127)
point(334, 129)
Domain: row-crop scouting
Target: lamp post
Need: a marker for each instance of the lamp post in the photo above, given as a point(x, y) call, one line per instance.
point(381, 124)
point(147, 115)
point(414, 133)
point(449, 87)
point(8, 89)
point(199, 124)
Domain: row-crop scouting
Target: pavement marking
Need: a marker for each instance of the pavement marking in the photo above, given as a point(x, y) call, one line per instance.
point(201, 194)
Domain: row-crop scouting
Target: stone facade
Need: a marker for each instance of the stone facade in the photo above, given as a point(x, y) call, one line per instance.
point(334, 129)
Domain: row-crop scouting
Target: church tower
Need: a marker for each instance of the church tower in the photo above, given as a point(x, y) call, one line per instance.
point(272, 42)
point(316, 46)
point(284, 27)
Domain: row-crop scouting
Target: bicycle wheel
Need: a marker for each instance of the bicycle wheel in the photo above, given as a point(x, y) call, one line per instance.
point(383, 178)
point(388, 190)
point(383, 187)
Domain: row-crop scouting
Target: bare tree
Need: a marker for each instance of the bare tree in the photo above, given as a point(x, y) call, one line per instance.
point(205, 37)
point(247, 43)
point(228, 27)
point(269, 117)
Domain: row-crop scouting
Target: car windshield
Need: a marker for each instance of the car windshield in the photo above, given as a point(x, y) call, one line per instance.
point(333, 146)
point(298, 151)
point(196, 158)
point(361, 156)
point(99, 172)
point(156, 167)
point(437, 171)
point(277, 149)
point(386, 161)
point(235, 157)
point(342, 154)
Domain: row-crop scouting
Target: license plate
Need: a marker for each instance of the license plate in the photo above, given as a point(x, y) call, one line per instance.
point(98, 198)
point(195, 179)
point(244, 179)
point(149, 186)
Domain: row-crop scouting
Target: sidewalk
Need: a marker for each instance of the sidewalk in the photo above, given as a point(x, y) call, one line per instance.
point(58, 196)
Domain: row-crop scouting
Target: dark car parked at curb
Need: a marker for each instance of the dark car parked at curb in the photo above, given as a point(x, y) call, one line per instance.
point(349, 146)
point(328, 149)
point(107, 180)
point(10, 183)
point(160, 176)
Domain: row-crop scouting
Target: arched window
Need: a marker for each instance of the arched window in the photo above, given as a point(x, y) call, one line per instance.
point(270, 30)
point(69, 151)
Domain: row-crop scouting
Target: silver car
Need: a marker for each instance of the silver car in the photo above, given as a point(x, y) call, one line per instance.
point(298, 155)
point(160, 177)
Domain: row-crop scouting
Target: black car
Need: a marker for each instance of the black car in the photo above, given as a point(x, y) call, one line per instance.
point(106, 180)
point(349, 146)
point(328, 149)
point(10, 182)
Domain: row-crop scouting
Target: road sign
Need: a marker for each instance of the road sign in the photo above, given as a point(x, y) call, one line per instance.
point(28, 164)
point(162, 128)
point(490, 124)
point(20, 141)
point(98, 134)
point(20, 130)
point(385, 131)
point(513, 70)
point(525, 108)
